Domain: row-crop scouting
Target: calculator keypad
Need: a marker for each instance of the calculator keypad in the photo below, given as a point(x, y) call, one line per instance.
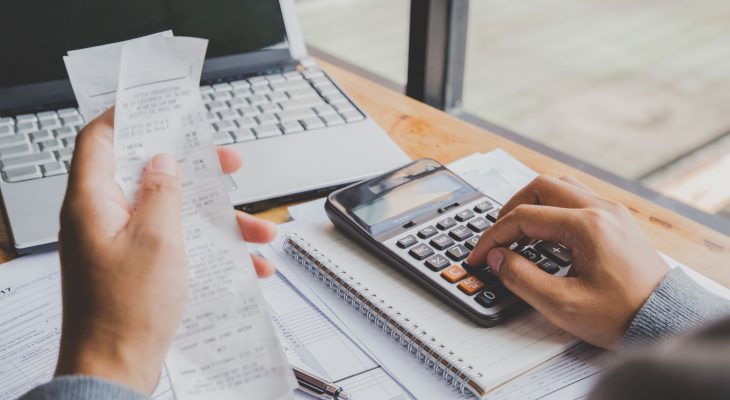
point(440, 249)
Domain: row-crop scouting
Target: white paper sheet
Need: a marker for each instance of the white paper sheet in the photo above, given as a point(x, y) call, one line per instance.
point(225, 346)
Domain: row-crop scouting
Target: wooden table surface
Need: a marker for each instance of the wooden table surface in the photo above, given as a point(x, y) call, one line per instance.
point(423, 131)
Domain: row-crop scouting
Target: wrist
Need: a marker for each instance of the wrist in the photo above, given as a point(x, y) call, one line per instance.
point(110, 359)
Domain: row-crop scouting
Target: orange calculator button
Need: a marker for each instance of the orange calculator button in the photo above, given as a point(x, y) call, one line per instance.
point(471, 285)
point(454, 274)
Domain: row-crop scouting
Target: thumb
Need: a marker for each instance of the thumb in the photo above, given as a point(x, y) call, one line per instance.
point(525, 279)
point(159, 197)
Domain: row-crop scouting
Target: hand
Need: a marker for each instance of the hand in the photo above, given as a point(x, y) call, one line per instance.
point(614, 269)
point(124, 270)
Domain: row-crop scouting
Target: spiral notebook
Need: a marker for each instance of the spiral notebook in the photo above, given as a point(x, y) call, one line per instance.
point(470, 358)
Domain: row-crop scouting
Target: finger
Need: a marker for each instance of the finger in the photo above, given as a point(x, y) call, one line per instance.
point(264, 268)
point(230, 160)
point(255, 230)
point(159, 198)
point(525, 279)
point(93, 159)
point(575, 182)
point(549, 191)
point(561, 225)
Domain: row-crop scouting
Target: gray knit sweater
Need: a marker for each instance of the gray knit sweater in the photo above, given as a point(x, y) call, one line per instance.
point(697, 367)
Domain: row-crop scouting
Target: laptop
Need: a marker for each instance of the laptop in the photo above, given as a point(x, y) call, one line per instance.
point(299, 134)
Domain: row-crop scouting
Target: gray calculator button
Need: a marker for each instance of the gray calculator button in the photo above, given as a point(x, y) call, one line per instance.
point(493, 215)
point(458, 252)
point(530, 254)
point(441, 241)
point(446, 223)
point(478, 224)
point(462, 216)
point(472, 242)
point(420, 252)
point(483, 207)
point(427, 232)
point(23, 173)
point(460, 233)
point(437, 262)
point(407, 241)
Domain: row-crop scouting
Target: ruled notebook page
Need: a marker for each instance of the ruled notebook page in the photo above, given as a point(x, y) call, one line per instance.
point(499, 353)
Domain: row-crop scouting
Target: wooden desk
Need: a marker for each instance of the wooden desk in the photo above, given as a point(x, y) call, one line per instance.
point(423, 131)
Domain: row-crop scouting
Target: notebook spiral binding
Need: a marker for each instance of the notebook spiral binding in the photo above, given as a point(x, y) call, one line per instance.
point(417, 341)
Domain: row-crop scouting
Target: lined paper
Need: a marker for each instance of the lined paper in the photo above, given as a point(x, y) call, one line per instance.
point(499, 353)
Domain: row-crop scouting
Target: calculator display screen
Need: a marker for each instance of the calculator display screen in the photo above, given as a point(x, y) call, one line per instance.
point(395, 201)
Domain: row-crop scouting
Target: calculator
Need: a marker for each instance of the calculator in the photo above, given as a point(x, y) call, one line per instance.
point(424, 220)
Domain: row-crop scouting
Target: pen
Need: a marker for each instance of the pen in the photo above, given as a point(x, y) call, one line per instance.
point(318, 387)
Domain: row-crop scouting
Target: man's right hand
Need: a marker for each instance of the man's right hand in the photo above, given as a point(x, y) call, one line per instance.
point(614, 269)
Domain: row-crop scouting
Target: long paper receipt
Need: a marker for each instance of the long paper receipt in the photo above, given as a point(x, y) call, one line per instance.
point(225, 347)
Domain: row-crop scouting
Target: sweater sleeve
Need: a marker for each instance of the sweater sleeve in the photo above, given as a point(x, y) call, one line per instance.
point(82, 388)
point(678, 305)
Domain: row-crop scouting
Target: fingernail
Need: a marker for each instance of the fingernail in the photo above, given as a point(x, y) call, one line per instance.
point(494, 259)
point(164, 163)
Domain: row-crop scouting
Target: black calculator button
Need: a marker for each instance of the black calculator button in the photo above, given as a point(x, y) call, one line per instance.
point(446, 223)
point(406, 242)
point(458, 252)
point(472, 269)
point(437, 262)
point(530, 254)
point(488, 298)
point(460, 233)
point(479, 224)
point(493, 215)
point(472, 242)
point(420, 252)
point(548, 266)
point(490, 280)
point(555, 252)
point(483, 207)
point(427, 232)
point(441, 241)
point(464, 215)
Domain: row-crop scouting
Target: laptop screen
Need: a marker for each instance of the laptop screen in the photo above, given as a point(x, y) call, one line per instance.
point(36, 34)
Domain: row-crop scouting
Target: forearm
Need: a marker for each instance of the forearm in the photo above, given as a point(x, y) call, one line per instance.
point(82, 388)
point(678, 305)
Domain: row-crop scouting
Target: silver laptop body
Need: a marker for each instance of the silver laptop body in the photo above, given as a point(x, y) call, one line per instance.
point(299, 134)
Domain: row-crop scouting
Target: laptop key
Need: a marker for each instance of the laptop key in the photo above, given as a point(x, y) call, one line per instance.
point(67, 112)
point(266, 119)
point(277, 97)
point(222, 96)
point(215, 106)
point(303, 92)
point(26, 127)
point(297, 104)
point(333, 120)
point(242, 93)
point(206, 90)
point(16, 150)
point(13, 140)
point(246, 122)
point(7, 121)
point(50, 145)
point(65, 154)
point(40, 135)
point(7, 130)
point(25, 118)
point(228, 115)
point(53, 168)
point(50, 123)
point(269, 108)
point(222, 87)
point(224, 126)
point(291, 127)
point(249, 111)
point(258, 99)
point(295, 115)
point(65, 132)
point(73, 120)
point(221, 138)
point(312, 123)
point(243, 135)
point(265, 131)
point(22, 174)
point(28, 159)
point(242, 84)
point(324, 109)
point(352, 116)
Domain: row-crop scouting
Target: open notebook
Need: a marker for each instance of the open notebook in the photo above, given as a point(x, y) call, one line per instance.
point(471, 358)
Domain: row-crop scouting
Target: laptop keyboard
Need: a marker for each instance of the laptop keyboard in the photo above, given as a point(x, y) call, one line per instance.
point(34, 146)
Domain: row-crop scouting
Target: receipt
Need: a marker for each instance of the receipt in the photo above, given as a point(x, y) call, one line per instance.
point(226, 346)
